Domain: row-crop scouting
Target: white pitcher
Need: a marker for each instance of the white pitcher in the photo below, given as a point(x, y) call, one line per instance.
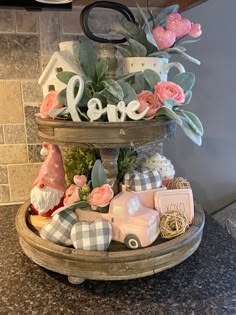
point(160, 65)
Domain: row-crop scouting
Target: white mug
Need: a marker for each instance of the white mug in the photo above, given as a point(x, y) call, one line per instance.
point(160, 65)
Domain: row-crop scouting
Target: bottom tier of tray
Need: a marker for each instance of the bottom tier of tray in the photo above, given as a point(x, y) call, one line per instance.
point(118, 263)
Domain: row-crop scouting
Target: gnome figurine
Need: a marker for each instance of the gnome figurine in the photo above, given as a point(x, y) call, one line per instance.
point(49, 187)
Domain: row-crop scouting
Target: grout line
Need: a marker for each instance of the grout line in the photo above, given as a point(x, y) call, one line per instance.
point(11, 203)
point(3, 133)
point(8, 178)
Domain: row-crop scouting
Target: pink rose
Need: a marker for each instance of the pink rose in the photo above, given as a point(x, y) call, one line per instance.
point(50, 102)
point(195, 30)
point(71, 195)
point(168, 89)
point(100, 196)
point(148, 100)
point(80, 180)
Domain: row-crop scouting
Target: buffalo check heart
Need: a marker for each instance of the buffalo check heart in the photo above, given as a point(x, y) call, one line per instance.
point(58, 229)
point(94, 235)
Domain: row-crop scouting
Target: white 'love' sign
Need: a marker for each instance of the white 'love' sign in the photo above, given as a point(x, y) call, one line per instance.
point(115, 113)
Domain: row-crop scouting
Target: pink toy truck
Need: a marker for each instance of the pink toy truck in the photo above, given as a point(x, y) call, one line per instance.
point(132, 223)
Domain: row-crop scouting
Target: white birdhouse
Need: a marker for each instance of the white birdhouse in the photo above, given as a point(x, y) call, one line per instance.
point(67, 59)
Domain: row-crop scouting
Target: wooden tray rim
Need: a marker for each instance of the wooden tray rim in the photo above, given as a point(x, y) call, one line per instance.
point(94, 256)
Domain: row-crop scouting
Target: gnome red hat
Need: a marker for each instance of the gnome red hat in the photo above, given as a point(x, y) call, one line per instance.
point(52, 172)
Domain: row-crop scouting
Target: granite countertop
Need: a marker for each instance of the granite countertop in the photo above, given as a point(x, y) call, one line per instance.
point(203, 284)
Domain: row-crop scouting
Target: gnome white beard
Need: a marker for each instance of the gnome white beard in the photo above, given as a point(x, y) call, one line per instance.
point(45, 199)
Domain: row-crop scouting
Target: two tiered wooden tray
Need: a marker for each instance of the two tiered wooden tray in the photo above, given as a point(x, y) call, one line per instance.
point(118, 263)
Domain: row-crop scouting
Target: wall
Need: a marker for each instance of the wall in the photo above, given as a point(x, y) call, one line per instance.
point(211, 168)
point(29, 39)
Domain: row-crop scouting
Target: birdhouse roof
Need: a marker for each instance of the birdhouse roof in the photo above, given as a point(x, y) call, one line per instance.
point(59, 59)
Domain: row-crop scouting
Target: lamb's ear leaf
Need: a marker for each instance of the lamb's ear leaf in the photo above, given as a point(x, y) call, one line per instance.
point(188, 96)
point(169, 102)
point(88, 58)
point(140, 84)
point(125, 50)
point(190, 133)
point(101, 69)
point(166, 111)
point(53, 113)
point(186, 56)
point(185, 79)
point(193, 121)
point(138, 49)
point(149, 37)
point(65, 76)
point(129, 92)
point(114, 88)
point(151, 77)
point(98, 174)
point(62, 97)
point(160, 17)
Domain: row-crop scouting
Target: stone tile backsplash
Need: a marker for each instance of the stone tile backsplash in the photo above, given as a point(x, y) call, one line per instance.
point(28, 40)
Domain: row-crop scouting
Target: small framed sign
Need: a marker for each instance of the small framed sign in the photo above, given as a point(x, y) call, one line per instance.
point(175, 199)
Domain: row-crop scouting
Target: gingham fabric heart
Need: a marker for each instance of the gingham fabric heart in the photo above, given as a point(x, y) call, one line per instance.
point(94, 235)
point(58, 229)
point(145, 179)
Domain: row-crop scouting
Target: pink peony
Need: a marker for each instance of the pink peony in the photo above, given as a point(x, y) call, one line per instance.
point(168, 89)
point(50, 102)
point(100, 196)
point(150, 100)
point(195, 30)
point(80, 180)
point(71, 195)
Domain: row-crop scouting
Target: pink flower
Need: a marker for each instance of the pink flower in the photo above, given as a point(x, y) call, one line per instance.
point(50, 102)
point(100, 196)
point(195, 30)
point(71, 195)
point(150, 100)
point(80, 180)
point(168, 89)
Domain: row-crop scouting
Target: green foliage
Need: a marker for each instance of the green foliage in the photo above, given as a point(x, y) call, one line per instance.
point(160, 17)
point(88, 58)
point(101, 69)
point(95, 82)
point(78, 161)
point(167, 112)
point(140, 84)
point(134, 32)
point(185, 79)
point(141, 81)
point(193, 121)
point(114, 88)
point(129, 92)
point(190, 133)
point(151, 77)
point(140, 33)
point(126, 162)
point(65, 76)
point(98, 175)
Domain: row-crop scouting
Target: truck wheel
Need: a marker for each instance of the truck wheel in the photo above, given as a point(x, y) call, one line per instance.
point(132, 242)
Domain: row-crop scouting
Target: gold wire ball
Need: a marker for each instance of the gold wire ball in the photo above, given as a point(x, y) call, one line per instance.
point(179, 183)
point(172, 224)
